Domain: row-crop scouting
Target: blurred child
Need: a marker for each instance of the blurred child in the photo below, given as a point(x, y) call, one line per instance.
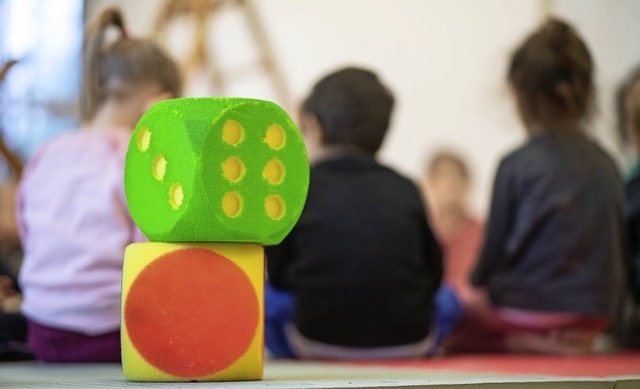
point(447, 182)
point(627, 326)
point(553, 256)
point(71, 207)
point(13, 325)
point(356, 278)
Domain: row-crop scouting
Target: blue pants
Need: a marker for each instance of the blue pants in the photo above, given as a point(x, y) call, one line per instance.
point(279, 313)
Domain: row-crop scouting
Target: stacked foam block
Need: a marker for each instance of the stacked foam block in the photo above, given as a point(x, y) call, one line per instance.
point(209, 181)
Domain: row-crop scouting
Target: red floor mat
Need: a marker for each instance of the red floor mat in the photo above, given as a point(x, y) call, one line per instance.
point(588, 366)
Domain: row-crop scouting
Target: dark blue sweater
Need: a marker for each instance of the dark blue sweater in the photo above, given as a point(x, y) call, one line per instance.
point(555, 235)
point(362, 262)
point(633, 223)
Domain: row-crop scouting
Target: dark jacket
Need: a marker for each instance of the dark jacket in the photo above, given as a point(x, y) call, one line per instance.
point(362, 262)
point(633, 224)
point(555, 235)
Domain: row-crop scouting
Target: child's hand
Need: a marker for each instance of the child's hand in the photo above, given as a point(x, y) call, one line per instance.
point(474, 297)
point(10, 299)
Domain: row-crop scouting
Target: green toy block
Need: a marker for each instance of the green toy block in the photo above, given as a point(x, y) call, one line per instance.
point(216, 170)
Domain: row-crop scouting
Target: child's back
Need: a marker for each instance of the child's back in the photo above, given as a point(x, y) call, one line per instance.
point(72, 212)
point(74, 218)
point(362, 264)
point(627, 326)
point(360, 260)
point(554, 241)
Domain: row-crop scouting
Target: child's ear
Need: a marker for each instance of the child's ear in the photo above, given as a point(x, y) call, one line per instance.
point(311, 128)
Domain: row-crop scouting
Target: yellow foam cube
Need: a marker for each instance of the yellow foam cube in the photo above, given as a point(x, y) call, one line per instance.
point(193, 312)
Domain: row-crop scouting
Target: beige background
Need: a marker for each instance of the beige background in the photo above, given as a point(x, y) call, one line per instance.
point(444, 59)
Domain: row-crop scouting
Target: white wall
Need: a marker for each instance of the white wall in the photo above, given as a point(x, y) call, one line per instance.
point(444, 59)
point(612, 30)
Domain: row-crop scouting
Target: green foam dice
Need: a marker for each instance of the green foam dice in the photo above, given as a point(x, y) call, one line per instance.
point(216, 170)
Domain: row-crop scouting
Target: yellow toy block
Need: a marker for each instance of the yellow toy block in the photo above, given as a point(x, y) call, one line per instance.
point(193, 312)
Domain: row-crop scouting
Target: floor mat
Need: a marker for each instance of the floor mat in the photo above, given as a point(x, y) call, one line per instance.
point(598, 366)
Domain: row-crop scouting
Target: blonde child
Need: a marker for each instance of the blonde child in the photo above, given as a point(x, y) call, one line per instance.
point(447, 180)
point(72, 214)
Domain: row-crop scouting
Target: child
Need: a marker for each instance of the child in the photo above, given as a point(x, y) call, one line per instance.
point(71, 208)
point(627, 327)
point(13, 325)
point(356, 278)
point(552, 262)
point(446, 183)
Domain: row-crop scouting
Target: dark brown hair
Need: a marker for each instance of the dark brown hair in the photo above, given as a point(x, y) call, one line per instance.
point(353, 108)
point(628, 116)
point(116, 69)
point(552, 74)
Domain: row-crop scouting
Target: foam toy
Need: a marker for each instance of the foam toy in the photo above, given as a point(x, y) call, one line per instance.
point(209, 181)
point(193, 311)
point(216, 170)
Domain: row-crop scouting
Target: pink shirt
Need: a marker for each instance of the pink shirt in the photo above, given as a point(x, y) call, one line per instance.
point(74, 225)
point(460, 249)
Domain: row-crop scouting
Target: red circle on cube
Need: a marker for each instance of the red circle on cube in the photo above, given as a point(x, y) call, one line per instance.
point(191, 312)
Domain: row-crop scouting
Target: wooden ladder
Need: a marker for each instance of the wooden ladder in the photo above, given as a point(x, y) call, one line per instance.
point(13, 160)
point(201, 10)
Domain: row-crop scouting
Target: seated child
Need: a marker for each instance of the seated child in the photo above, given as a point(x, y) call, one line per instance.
point(446, 183)
point(553, 257)
point(13, 325)
point(357, 276)
point(627, 327)
point(72, 212)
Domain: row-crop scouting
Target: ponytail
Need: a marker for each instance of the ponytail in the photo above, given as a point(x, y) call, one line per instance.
point(116, 69)
point(93, 73)
point(552, 73)
point(628, 116)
